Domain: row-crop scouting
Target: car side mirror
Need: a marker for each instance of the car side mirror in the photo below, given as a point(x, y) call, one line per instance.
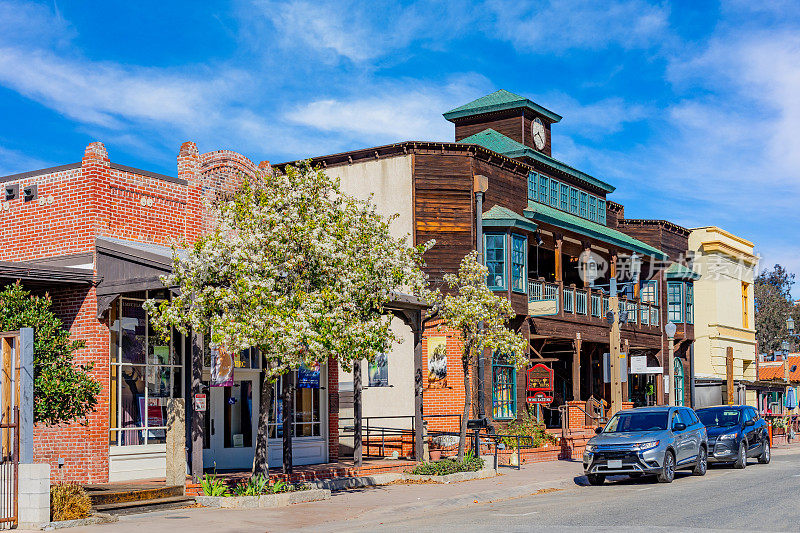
point(750, 422)
point(678, 426)
point(598, 430)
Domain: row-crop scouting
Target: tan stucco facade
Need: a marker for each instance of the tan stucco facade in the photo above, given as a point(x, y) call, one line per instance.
point(723, 302)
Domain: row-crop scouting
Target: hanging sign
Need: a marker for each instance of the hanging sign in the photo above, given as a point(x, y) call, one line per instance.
point(308, 377)
point(540, 384)
point(543, 308)
point(221, 367)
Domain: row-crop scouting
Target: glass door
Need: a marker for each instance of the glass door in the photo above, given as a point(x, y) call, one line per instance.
point(233, 415)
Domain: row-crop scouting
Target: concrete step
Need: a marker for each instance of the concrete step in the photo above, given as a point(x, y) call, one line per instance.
point(144, 506)
point(103, 495)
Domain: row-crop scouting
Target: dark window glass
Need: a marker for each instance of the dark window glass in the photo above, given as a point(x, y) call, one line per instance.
point(641, 421)
point(720, 417)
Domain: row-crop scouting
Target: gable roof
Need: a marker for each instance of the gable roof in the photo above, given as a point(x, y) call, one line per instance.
point(544, 213)
point(502, 217)
point(498, 101)
point(678, 271)
point(502, 144)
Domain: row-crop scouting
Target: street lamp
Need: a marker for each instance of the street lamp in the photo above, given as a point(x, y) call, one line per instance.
point(790, 325)
point(670, 329)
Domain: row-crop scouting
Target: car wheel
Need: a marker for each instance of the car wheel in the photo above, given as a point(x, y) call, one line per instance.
point(667, 473)
point(765, 454)
point(741, 460)
point(596, 479)
point(701, 465)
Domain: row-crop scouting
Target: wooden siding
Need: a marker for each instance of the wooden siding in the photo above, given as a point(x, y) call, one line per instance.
point(513, 124)
point(443, 210)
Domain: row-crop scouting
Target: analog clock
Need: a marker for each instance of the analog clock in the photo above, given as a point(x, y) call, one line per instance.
point(538, 133)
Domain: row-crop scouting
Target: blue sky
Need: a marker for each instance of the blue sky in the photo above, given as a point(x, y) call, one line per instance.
point(690, 109)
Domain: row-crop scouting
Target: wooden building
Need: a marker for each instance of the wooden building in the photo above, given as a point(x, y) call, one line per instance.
point(549, 238)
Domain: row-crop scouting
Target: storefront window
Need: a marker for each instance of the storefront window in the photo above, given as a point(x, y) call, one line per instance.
point(307, 404)
point(145, 373)
point(504, 391)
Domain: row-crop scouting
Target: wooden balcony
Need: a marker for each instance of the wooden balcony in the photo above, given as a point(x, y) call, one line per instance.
point(589, 306)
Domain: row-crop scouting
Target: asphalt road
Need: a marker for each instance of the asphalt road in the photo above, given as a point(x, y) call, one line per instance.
point(758, 498)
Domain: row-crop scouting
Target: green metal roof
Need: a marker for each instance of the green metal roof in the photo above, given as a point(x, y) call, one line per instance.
point(545, 213)
point(501, 217)
point(497, 142)
point(498, 101)
point(678, 271)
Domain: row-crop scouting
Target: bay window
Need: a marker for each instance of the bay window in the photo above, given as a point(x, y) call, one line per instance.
point(494, 245)
point(519, 263)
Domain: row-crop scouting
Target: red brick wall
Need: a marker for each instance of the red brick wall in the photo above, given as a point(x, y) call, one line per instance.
point(74, 207)
point(333, 411)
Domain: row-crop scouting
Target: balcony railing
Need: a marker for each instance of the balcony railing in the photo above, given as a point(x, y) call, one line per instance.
point(574, 301)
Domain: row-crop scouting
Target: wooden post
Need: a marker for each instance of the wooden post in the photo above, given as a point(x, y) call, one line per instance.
point(616, 396)
point(729, 372)
point(576, 368)
point(627, 360)
point(25, 376)
point(559, 267)
point(587, 253)
point(198, 417)
point(419, 436)
point(7, 382)
point(357, 414)
point(612, 266)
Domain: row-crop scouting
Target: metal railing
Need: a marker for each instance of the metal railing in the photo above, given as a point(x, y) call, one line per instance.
point(592, 303)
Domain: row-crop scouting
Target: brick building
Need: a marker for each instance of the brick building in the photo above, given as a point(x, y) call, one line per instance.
point(96, 235)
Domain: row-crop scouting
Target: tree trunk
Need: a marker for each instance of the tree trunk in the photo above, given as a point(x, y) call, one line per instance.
point(261, 456)
point(464, 416)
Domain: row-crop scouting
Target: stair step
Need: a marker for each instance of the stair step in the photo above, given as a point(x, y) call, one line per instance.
point(103, 497)
point(144, 506)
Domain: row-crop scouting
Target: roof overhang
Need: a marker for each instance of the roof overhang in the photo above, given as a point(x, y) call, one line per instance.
point(33, 274)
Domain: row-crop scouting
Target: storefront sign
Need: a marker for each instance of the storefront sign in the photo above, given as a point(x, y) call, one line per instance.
point(379, 371)
point(540, 384)
point(308, 377)
point(200, 403)
point(437, 361)
point(543, 308)
point(639, 366)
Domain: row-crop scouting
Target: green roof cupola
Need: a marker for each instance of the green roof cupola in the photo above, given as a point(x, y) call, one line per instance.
point(515, 116)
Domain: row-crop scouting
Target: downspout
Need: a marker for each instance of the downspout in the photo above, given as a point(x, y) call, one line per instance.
point(479, 186)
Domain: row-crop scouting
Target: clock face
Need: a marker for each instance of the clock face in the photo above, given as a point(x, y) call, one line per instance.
point(538, 133)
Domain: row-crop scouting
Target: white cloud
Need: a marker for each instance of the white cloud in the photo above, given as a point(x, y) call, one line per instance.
point(405, 110)
point(13, 162)
point(560, 25)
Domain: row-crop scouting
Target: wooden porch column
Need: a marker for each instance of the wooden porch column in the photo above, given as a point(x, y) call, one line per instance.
point(626, 386)
point(576, 368)
point(587, 251)
point(357, 412)
point(198, 417)
point(559, 241)
point(612, 267)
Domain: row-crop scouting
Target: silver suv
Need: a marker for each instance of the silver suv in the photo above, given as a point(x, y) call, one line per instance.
point(647, 441)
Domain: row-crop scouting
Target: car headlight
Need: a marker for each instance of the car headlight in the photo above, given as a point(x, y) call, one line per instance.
point(726, 436)
point(645, 445)
point(591, 448)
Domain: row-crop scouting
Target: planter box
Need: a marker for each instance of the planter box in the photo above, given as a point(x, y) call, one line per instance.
point(265, 501)
point(453, 478)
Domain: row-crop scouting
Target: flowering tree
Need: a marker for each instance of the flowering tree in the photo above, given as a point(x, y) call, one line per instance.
point(480, 316)
point(297, 269)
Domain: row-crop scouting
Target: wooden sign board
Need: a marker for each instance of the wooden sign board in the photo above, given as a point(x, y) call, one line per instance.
point(540, 378)
point(540, 398)
point(543, 308)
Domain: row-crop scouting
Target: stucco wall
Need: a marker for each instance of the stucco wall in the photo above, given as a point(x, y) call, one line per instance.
point(724, 262)
point(389, 181)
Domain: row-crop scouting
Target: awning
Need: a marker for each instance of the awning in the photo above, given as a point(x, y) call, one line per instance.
point(129, 266)
point(501, 217)
point(34, 274)
point(544, 213)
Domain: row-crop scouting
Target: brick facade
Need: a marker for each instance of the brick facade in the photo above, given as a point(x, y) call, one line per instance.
point(75, 204)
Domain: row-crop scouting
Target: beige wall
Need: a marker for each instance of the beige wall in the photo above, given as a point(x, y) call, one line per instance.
point(723, 261)
point(389, 180)
point(398, 398)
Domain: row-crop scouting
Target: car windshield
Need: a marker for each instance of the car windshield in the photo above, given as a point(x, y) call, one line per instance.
point(719, 417)
point(633, 421)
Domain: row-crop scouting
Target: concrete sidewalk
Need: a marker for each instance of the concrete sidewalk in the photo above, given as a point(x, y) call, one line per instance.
point(365, 508)
point(357, 508)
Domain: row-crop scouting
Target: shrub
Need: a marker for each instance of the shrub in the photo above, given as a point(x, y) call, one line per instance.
point(534, 433)
point(213, 486)
point(68, 501)
point(449, 466)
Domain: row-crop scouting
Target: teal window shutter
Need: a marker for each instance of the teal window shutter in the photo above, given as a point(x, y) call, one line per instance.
point(584, 201)
point(592, 208)
point(554, 193)
point(573, 200)
point(675, 301)
point(532, 186)
point(689, 303)
point(601, 211)
point(564, 197)
point(543, 189)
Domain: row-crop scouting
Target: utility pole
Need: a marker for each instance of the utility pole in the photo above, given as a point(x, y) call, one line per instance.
point(670, 328)
point(614, 340)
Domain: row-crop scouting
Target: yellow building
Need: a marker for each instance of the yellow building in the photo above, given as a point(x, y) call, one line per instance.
point(724, 315)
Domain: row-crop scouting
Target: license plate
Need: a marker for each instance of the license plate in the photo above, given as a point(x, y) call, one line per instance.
point(615, 463)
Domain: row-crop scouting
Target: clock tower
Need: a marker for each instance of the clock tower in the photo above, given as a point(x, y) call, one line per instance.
point(512, 115)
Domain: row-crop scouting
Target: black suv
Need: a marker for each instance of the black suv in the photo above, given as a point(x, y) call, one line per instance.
point(735, 432)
